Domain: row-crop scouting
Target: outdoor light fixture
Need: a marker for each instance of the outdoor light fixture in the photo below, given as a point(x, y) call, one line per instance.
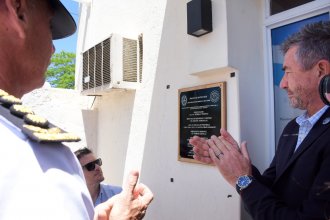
point(199, 17)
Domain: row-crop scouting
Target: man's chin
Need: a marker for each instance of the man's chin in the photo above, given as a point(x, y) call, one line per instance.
point(293, 102)
point(100, 178)
point(297, 106)
point(39, 84)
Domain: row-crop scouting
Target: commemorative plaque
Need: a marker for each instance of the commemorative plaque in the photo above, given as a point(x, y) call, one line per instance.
point(201, 113)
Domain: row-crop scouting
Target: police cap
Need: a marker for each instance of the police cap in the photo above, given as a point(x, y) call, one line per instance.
point(62, 22)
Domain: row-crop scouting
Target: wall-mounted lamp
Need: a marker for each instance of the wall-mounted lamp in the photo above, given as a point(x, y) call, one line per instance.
point(199, 17)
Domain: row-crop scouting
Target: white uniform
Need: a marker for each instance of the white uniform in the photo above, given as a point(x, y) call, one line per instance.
point(40, 181)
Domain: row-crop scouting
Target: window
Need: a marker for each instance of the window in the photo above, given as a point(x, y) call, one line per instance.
point(277, 6)
point(283, 112)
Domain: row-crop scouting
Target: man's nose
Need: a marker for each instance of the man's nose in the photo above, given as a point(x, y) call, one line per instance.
point(97, 167)
point(284, 82)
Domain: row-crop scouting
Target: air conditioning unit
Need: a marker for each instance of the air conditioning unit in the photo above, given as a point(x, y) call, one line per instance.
point(115, 63)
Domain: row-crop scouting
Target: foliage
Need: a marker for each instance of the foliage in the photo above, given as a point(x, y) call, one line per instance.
point(61, 71)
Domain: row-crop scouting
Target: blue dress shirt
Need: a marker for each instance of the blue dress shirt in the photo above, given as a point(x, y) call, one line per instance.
point(106, 192)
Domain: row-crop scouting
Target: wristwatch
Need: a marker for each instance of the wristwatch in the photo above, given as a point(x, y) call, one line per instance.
point(243, 182)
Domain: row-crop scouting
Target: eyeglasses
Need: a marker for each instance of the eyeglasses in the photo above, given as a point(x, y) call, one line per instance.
point(91, 165)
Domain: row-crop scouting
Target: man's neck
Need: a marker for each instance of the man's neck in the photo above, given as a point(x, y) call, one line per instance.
point(8, 85)
point(94, 190)
point(312, 110)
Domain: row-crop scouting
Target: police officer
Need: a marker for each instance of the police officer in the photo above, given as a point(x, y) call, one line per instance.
point(40, 177)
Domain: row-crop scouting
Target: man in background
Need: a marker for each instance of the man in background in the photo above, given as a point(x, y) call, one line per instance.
point(99, 191)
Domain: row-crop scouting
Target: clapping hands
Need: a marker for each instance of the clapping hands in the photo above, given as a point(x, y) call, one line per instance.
point(231, 160)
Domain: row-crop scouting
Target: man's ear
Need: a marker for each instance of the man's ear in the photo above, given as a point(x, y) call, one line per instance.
point(323, 67)
point(17, 16)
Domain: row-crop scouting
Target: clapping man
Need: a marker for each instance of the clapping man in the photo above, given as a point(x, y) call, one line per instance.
point(295, 186)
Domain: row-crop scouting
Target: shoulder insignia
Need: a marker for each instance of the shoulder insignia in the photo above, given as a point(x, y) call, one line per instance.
point(9, 100)
point(36, 120)
point(20, 110)
point(35, 127)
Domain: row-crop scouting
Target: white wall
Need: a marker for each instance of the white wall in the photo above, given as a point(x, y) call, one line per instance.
point(114, 123)
point(123, 118)
point(245, 43)
point(245, 40)
point(140, 129)
point(211, 50)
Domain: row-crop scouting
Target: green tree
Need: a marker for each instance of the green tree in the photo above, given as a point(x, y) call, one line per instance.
point(61, 71)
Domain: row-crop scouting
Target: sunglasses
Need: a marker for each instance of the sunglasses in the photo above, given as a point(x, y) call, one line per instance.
point(91, 165)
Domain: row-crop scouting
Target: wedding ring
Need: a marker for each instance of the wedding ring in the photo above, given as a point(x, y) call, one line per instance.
point(218, 155)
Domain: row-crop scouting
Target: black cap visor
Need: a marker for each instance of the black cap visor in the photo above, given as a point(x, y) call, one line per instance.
point(62, 22)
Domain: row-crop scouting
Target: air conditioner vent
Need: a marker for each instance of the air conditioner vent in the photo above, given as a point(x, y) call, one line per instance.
point(140, 57)
point(115, 63)
point(106, 62)
point(85, 71)
point(98, 65)
point(130, 60)
point(91, 69)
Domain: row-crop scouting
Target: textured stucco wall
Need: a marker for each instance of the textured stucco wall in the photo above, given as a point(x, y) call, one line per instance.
point(62, 107)
point(139, 129)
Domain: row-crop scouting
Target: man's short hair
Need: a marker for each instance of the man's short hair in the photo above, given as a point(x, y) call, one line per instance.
point(313, 44)
point(82, 152)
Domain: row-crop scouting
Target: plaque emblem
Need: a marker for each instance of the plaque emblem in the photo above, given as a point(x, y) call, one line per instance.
point(184, 100)
point(214, 96)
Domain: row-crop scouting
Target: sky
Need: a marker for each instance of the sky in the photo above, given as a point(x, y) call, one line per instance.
point(69, 44)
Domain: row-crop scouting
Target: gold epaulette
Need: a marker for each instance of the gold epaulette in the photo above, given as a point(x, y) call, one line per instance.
point(35, 127)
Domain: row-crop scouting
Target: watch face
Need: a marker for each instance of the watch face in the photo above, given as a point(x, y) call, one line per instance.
point(243, 181)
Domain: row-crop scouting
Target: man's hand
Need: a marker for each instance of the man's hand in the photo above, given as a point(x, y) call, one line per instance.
point(130, 204)
point(224, 152)
point(230, 160)
point(201, 149)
